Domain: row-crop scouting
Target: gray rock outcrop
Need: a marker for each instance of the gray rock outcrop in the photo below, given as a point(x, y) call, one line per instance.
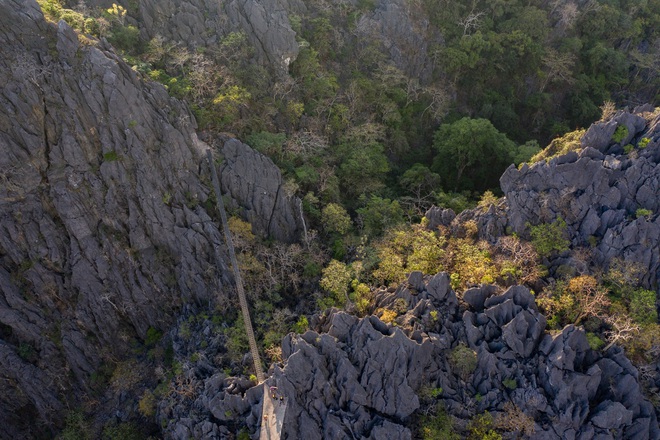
point(355, 377)
point(204, 23)
point(403, 30)
point(255, 184)
point(609, 199)
point(105, 231)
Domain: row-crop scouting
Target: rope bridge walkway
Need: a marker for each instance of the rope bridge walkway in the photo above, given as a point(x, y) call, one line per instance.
point(258, 370)
point(274, 404)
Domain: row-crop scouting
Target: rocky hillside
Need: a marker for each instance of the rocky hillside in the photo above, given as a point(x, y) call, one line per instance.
point(489, 351)
point(201, 23)
point(362, 378)
point(107, 227)
point(606, 191)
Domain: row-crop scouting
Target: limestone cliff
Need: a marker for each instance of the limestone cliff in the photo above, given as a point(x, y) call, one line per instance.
point(106, 220)
point(200, 23)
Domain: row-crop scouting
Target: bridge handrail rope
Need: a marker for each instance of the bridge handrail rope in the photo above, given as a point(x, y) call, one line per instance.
point(237, 274)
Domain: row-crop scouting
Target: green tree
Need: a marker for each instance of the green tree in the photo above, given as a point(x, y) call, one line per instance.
point(336, 280)
point(380, 214)
point(550, 237)
point(471, 154)
point(335, 219)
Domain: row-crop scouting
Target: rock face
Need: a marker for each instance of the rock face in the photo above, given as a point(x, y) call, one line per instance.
point(255, 181)
point(102, 211)
point(402, 28)
point(362, 378)
point(203, 23)
point(598, 192)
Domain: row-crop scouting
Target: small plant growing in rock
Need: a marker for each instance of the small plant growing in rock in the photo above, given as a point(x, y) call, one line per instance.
point(301, 325)
point(595, 343)
point(643, 142)
point(608, 109)
point(628, 148)
point(481, 428)
point(510, 383)
point(463, 360)
point(111, 156)
point(400, 306)
point(147, 404)
point(430, 393)
point(620, 134)
point(386, 315)
point(487, 199)
point(642, 306)
point(153, 336)
point(437, 426)
point(167, 198)
point(514, 420)
point(642, 212)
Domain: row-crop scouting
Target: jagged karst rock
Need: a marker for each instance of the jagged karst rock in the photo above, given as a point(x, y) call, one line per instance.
point(354, 377)
point(599, 135)
point(204, 23)
point(402, 29)
point(597, 191)
point(105, 233)
point(255, 183)
point(439, 217)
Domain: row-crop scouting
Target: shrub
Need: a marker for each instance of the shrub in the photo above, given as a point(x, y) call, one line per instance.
point(380, 214)
point(122, 431)
point(408, 249)
point(514, 420)
point(147, 404)
point(481, 428)
point(153, 336)
point(336, 280)
point(595, 343)
point(126, 38)
point(429, 393)
point(510, 383)
point(620, 134)
point(487, 199)
point(335, 219)
point(437, 426)
point(386, 315)
point(559, 146)
point(77, 427)
point(471, 263)
point(362, 296)
point(52, 9)
point(550, 237)
point(74, 19)
point(269, 144)
point(642, 306)
point(463, 360)
point(111, 156)
point(641, 212)
point(301, 325)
